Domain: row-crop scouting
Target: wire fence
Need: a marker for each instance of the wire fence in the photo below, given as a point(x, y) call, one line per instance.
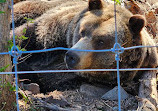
point(117, 49)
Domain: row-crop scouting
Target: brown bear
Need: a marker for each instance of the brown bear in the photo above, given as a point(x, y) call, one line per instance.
point(76, 25)
point(96, 31)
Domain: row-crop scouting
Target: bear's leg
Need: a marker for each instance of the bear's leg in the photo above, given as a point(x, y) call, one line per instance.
point(147, 92)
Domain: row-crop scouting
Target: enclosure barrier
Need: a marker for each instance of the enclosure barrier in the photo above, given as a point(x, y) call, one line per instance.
point(117, 49)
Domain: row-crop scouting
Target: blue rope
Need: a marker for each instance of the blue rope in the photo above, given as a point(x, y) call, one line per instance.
point(117, 58)
point(15, 55)
point(118, 82)
point(62, 48)
point(79, 70)
point(4, 53)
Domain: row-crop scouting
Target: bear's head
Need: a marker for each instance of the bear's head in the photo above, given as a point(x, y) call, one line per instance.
point(95, 30)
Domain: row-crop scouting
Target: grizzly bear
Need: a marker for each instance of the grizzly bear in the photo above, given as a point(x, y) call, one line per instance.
point(76, 25)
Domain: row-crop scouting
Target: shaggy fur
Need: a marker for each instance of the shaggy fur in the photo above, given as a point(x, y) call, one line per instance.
point(85, 25)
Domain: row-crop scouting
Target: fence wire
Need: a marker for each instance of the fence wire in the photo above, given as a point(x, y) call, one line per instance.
point(117, 49)
point(15, 55)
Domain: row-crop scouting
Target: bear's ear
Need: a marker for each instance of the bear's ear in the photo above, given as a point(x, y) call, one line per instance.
point(95, 4)
point(136, 23)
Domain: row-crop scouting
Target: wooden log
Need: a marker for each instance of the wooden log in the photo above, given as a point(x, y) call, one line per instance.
point(147, 92)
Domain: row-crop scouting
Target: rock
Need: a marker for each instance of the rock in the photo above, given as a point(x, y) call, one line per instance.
point(93, 90)
point(57, 98)
point(150, 17)
point(151, 2)
point(146, 105)
point(155, 7)
point(133, 7)
point(33, 87)
point(113, 94)
point(59, 102)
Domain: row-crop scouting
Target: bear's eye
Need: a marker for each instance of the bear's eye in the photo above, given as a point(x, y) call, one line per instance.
point(100, 42)
point(83, 33)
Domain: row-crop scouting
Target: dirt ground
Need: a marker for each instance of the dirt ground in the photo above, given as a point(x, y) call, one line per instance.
point(76, 100)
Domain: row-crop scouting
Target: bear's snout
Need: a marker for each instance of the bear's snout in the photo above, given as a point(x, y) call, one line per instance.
point(71, 59)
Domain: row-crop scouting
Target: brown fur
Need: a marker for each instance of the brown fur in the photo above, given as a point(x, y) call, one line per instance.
point(97, 31)
point(80, 25)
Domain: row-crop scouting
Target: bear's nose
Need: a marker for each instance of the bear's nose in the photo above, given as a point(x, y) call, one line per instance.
point(71, 59)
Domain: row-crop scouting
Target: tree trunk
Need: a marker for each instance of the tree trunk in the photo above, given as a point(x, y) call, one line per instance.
point(7, 96)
